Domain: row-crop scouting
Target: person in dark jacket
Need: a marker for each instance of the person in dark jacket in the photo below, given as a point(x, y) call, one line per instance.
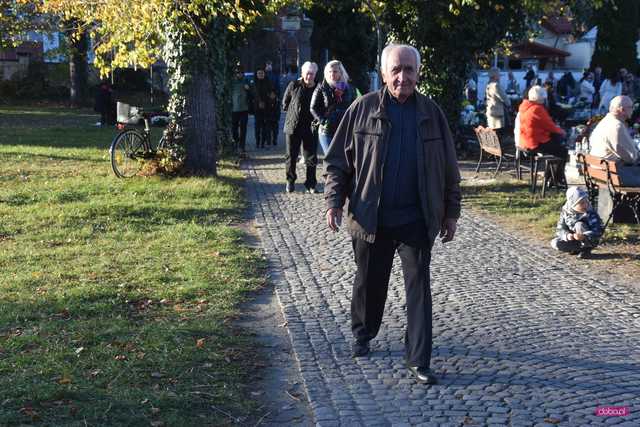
point(239, 110)
point(394, 158)
point(260, 97)
point(330, 100)
point(580, 227)
point(103, 103)
point(297, 127)
point(529, 77)
point(274, 78)
point(272, 118)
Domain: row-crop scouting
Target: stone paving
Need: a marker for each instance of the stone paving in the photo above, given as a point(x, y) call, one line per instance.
point(520, 339)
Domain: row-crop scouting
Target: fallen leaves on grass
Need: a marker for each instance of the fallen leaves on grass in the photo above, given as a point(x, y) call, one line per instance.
point(200, 343)
point(30, 412)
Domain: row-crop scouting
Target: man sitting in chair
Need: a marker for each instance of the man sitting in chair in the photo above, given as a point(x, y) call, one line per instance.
point(610, 140)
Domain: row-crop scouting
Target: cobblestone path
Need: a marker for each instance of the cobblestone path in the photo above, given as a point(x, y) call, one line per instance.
point(519, 339)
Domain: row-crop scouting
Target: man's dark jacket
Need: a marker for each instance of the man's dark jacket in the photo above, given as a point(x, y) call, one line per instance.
point(298, 111)
point(355, 162)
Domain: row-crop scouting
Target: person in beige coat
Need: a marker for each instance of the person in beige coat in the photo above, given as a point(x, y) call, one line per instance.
point(497, 102)
point(610, 140)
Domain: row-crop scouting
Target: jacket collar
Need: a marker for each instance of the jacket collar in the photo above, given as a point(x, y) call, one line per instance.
point(422, 114)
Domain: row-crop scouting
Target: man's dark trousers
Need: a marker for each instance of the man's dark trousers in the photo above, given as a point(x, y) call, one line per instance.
point(309, 144)
point(239, 128)
point(260, 128)
point(374, 262)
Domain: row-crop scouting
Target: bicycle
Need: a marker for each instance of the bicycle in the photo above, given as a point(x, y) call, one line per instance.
point(133, 145)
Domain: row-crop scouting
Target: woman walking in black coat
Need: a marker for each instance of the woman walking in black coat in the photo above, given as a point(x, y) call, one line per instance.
point(330, 100)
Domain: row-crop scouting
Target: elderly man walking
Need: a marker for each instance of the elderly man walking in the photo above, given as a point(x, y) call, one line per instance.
point(297, 127)
point(393, 157)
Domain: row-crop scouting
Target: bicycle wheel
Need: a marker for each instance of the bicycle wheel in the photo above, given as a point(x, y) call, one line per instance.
point(162, 143)
point(127, 149)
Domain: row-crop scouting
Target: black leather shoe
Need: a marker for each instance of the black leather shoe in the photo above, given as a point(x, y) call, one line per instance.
point(360, 348)
point(422, 375)
point(290, 187)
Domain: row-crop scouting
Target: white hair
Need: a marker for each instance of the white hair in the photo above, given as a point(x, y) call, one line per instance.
point(307, 65)
point(389, 48)
point(494, 73)
point(618, 102)
point(537, 94)
point(344, 77)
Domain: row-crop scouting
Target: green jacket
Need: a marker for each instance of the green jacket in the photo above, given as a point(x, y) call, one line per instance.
point(239, 95)
point(355, 162)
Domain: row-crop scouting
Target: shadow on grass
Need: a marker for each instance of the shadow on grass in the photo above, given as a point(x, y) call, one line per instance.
point(57, 137)
point(24, 156)
point(146, 219)
point(613, 256)
point(497, 187)
point(46, 118)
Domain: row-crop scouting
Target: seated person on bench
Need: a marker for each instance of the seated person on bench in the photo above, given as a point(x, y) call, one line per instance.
point(538, 132)
point(579, 228)
point(610, 140)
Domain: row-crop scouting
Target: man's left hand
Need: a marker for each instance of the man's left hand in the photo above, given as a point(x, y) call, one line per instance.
point(448, 229)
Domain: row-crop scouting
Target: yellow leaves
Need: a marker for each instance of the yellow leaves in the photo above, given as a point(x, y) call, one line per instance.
point(66, 379)
point(131, 33)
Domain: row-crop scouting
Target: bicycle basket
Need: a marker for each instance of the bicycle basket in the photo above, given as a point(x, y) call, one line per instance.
point(127, 114)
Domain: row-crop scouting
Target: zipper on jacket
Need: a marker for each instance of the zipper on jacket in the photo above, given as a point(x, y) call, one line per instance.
point(384, 159)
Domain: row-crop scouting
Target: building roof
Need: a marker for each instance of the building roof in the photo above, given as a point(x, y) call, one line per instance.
point(29, 48)
point(558, 25)
point(535, 50)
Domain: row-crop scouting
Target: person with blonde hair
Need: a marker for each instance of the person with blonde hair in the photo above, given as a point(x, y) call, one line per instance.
point(330, 100)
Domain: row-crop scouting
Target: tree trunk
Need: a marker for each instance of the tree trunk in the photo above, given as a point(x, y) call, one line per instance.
point(200, 104)
point(78, 69)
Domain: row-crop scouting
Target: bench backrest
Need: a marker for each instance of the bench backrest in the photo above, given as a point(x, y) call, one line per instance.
point(488, 140)
point(601, 170)
point(612, 167)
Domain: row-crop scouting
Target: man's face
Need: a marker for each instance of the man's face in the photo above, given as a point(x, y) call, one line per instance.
point(401, 74)
point(309, 76)
point(598, 70)
point(335, 74)
point(623, 72)
point(268, 66)
point(626, 110)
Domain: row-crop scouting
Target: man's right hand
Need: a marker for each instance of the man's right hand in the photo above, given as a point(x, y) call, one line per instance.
point(334, 218)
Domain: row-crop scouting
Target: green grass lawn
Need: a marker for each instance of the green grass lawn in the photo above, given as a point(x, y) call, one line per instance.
point(116, 295)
